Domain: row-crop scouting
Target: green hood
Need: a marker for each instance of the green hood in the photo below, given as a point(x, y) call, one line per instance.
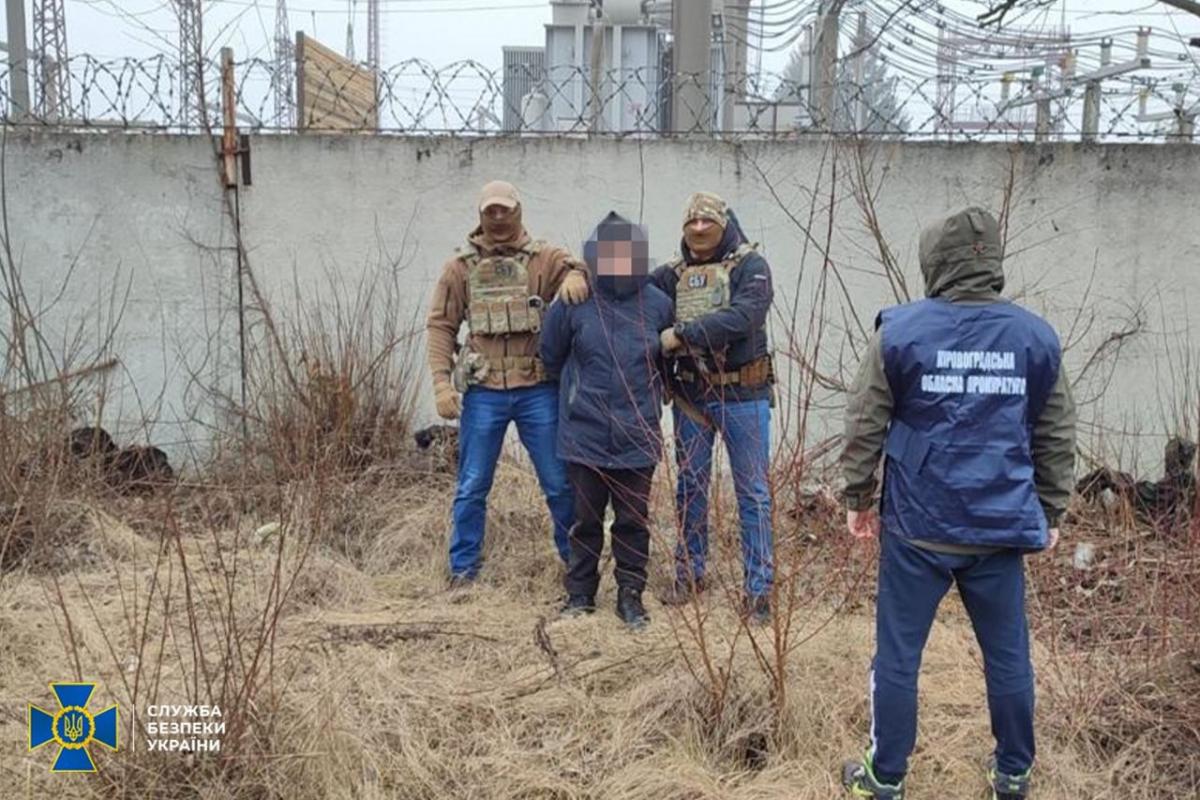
point(961, 255)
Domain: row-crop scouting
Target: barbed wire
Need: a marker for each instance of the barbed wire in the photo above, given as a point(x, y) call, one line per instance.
point(468, 98)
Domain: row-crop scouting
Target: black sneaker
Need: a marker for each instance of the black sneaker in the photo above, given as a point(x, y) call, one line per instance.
point(757, 610)
point(578, 604)
point(683, 591)
point(630, 608)
point(1007, 787)
point(859, 780)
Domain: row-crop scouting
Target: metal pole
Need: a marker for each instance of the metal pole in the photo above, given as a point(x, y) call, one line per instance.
point(691, 23)
point(1187, 126)
point(826, 72)
point(737, 30)
point(18, 60)
point(1091, 111)
point(860, 75)
point(597, 63)
point(1041, 130)
point(1091, 97)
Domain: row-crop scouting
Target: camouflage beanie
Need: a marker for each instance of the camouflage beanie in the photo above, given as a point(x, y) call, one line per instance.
point(706, 205)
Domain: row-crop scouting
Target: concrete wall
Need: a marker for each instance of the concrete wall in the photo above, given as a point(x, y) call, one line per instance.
point(1102, 240)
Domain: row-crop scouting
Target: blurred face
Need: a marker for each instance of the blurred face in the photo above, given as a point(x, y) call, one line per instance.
point(702, 235)
point(614, 259)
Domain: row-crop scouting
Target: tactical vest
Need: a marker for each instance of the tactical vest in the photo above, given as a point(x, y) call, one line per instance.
point(705, 288)
point(498, 297)
point(968, 384)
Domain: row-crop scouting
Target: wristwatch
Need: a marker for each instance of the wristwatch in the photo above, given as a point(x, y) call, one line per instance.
point(679, 326)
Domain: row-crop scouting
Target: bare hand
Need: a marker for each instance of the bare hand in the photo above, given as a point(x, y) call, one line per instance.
point(448, 401)
point(670, 341)
point(574, 289)
point(863, 524)
point(1052, 542)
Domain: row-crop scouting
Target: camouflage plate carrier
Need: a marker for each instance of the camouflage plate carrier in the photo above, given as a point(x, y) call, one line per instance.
point(701, 290)
point(705, 288)
point(498, 299)
point(499, 303)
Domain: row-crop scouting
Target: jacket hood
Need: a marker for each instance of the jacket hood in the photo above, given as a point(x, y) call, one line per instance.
point(963, 255)
point(487, 246)
point(616, 228)
point(733, 238)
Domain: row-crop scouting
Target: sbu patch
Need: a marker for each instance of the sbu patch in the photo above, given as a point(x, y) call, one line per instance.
point(72, 727)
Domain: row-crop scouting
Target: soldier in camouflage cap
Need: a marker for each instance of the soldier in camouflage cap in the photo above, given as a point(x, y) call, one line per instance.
point(722, 290)
point(499, 284)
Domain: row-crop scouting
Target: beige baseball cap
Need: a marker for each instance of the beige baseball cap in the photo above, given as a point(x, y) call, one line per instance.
point(499, 193)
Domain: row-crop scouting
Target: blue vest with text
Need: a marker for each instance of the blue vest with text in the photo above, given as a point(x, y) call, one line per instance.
point(968, 383)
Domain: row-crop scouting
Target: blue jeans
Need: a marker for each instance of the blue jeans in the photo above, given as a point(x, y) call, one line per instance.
point(486, 414)
point(746, 428)
point(912, 582)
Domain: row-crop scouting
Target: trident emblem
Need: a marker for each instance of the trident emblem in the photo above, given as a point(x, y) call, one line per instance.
point(73, 726)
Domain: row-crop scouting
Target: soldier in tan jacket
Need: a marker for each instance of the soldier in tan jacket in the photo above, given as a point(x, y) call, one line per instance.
point(499, 284)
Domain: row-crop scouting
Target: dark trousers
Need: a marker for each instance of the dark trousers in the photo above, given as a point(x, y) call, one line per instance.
point(629, 492)
point(912, 583)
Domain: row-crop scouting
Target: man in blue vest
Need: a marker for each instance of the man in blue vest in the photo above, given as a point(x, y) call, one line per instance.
point(966, 396)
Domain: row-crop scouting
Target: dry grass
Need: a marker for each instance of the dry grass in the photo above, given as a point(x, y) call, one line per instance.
point(384, 684)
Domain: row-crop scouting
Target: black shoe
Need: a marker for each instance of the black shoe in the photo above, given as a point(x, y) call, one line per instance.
point(578, 604)
point(683, 591)
point(630, 608)
point(757, 610)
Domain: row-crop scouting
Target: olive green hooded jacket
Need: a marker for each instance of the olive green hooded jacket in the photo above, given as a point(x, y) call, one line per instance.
point(962, 267)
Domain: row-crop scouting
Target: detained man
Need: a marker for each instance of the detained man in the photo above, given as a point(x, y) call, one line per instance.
point(606, 355)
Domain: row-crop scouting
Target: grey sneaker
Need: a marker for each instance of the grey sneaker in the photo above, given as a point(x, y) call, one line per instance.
point(859, 780)
point(1007, 787)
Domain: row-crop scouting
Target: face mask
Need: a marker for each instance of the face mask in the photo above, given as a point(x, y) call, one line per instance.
point(505, 230)
point(705, 242)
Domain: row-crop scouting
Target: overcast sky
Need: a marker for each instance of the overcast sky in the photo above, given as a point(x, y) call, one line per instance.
point(444, 31)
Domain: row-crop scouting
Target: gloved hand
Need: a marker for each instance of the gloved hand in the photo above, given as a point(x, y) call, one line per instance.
point(670, 341)
point(448, 401)
point(574, 288)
